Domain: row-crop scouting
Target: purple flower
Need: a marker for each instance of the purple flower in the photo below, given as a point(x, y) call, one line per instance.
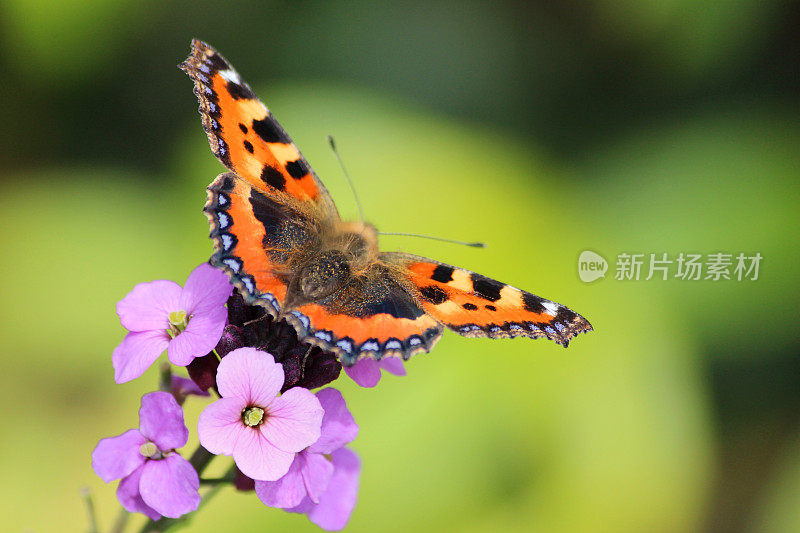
point(161, 316)
point(335, 504)
point(311, 471)
point(156, 480)
point(367, 372)
point(261, 430)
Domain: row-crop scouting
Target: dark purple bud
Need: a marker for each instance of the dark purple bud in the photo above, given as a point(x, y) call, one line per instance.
point(243, 483)
point(236, 309)
point(203, 371)
point(291, 370)
point(232, 338)
point(251, 325)
point(309, 367)
point(320, 369)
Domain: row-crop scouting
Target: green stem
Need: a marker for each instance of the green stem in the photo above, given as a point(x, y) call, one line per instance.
point(165, 378)
point(121, 521)
point(217, 480)
point(87, 498)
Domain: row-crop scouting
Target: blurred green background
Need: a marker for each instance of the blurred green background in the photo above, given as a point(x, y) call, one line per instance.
point(542, 128)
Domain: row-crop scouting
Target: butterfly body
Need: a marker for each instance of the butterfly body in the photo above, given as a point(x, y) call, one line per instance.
point(278, 235)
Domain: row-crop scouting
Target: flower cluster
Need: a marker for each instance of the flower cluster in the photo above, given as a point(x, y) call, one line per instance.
point(288, 444)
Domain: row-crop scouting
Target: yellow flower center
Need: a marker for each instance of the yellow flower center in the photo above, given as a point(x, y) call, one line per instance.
point(150, 450)
point(177, 323)
point(252, 416)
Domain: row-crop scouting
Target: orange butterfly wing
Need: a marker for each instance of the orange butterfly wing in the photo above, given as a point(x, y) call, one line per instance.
point(476, 306)
point(254, 237)
point(245, 136)
point(374, 316)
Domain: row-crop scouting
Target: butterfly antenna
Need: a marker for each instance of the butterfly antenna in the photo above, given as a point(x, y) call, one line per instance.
point(452, 241)
point(346, 175)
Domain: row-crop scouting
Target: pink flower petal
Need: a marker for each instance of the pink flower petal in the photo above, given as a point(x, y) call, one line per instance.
point(338, 426)
point(393, 365)
point(128, 495)
point(220, 425)
point(365, 372)
point(200, 336)
point(170, 485)
point(161, 421)
point(138, 350)
point(303, 507)
point(250, 374)
point(317, 474)
point(293, 420)
point(288, 491)
point(307, 477)
point(148, 305)
point(337, 502)
point(116, 457)
point(259, 459)
point(206, 288)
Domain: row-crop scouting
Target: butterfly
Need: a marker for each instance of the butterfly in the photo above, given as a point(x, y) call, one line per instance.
point(278, 235)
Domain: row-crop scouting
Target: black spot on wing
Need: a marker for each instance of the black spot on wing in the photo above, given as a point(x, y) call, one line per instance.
point(217, 62)
point(273, 177)
point(239, 92)
point(392, 300)
point(226, 183)
point(490, 307)
point(395, 308)
point(486, 288)
point(565, 315)
point(265, 210)
point(432, 333)
point(283, 229)
point(532, 303)
point(248, 146)
point(297, 169)
point(469, 307)
point(442, 274)
point(270, 214)
point(243, 128)
point(433, 294)
point(270, 131)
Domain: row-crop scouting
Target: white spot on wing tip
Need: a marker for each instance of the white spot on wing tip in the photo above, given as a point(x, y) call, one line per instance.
point(231, 75)
point(550, 307)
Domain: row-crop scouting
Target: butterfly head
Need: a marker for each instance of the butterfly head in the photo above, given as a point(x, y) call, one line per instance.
point(358, 241)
